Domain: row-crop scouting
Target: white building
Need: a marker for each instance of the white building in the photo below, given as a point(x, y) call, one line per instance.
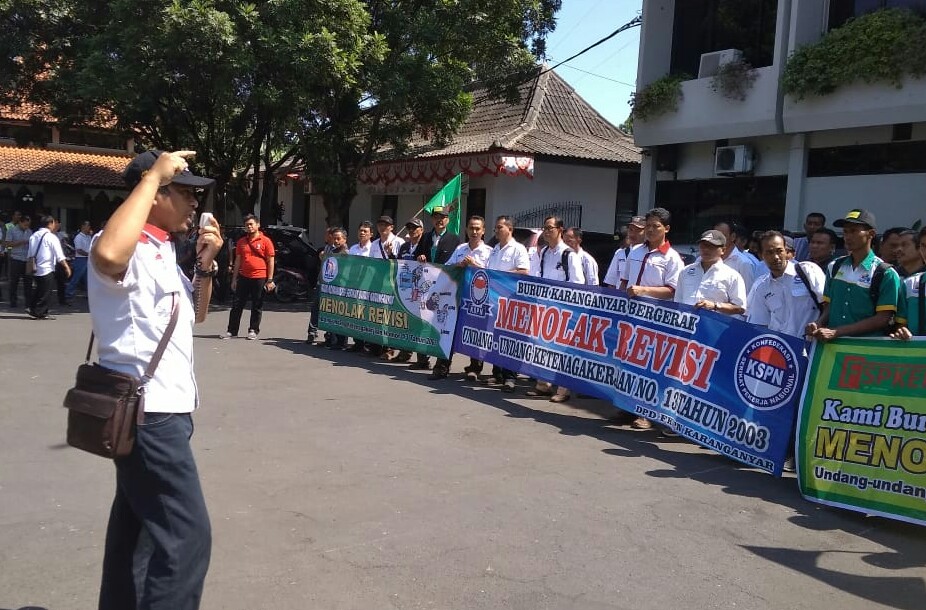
point(550, 153)
point(862, 146)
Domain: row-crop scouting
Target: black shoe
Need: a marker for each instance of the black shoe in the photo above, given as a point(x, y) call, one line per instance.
point(310, 339)
point(32, 315)
point(439, 372)
point(420, 366)
point(354, 348)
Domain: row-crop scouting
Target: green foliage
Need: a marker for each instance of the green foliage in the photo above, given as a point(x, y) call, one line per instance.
point(734, 80)
point(253, 85)
point(884, 46)
point(658, 97)
point(627, 125)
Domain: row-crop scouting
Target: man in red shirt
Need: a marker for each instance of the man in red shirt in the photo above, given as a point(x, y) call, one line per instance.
point(252, 276)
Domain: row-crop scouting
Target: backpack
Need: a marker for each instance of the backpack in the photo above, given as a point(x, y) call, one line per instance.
point(877, 276)
point(564, 263)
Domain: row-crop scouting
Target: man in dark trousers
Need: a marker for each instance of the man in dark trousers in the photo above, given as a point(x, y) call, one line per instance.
point(436, 247)
point(252, 275)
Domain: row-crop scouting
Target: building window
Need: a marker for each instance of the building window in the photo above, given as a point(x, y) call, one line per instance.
point(704, 26)
point(756, 202)
point(389, 206)
point(867, 159)
point(476, 203)
point(95, 139)
point(844, 10)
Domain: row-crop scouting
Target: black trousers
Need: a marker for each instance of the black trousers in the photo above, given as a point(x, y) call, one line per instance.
point(247, 289)
point(159, 539)
point(17, 273)
point(61, 281)
point(41, 295)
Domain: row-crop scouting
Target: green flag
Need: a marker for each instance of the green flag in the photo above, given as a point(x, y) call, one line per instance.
point(447, 200)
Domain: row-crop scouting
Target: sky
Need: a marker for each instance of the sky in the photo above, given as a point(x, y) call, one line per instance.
point(604, 76)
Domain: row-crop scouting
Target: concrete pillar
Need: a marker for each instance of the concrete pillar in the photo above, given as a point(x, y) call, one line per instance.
point(797, 176)
point(647, 198)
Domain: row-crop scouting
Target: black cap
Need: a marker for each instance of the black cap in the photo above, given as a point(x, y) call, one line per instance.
point(638, 222)
point(714, 237)
point(143, 162)
point(414, 222)
point(857, 217)
point(439, 210)
point(387, 219)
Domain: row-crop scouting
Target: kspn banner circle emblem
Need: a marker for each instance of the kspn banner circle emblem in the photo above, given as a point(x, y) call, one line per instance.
point(479, 287)
point(766, 373)
point(330, 269)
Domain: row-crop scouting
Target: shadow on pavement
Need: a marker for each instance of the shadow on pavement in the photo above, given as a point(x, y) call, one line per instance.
point(905, 543)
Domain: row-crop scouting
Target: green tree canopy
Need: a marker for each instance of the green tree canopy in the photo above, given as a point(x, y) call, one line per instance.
point(253, 85)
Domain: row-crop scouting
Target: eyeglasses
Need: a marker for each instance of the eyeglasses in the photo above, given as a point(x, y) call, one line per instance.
point(550, 228)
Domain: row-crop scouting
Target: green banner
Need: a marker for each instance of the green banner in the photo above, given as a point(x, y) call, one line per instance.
point(404, 305)
point(862, 427)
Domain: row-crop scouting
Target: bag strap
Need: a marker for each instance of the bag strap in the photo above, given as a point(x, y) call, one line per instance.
point(162, 344)
point(803, 275)
point(922, 304)
point(41, 241)
point(564, 263)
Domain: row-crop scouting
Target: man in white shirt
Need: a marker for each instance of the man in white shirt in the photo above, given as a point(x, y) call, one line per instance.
point(387, 245)
point(733, 256)
point(134, 285)
point(708, 283)
point(45, 247)
point(782, 300)
point(555, 261)
point(573, 239)
point(81, 252)
point(17, 242)
point(472, 253)
point(507, 255)
point(414, 228)
point(634, 237)
point(651, 270)
point(363, 247)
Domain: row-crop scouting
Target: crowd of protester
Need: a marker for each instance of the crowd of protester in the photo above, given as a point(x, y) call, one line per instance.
point(797, 286)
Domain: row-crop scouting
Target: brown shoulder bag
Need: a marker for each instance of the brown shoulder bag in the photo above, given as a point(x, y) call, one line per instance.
point(104, 406)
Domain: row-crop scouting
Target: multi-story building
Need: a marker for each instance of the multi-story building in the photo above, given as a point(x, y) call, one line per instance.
point(765, 156)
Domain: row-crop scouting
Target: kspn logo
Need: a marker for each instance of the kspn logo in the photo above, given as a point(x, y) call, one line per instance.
point(766, 373)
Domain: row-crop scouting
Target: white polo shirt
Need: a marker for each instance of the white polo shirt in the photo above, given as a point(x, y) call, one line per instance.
point(742, 263)
point(130, 316)
point(660, 266)
point(480, 254)
point(784, 304)
point(719, 284)
point(547, 262)
point(613, 275)
point(82, 242)
point(589, 267)
point(509, 257)
point(377, 251)
point(46, 248)
point(358, 250)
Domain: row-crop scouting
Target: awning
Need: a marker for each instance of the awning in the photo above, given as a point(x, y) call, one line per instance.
point(427, 171)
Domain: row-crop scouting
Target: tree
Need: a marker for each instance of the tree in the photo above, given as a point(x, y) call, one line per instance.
point(627, 125)
point(435, 51)
point(252, 86)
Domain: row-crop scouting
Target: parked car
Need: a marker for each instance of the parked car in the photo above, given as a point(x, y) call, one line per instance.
point(293, 249)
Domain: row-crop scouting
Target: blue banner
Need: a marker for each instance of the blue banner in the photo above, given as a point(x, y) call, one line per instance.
point(716, 380)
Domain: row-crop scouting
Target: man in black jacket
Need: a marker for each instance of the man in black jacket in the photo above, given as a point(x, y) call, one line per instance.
point(436, 247)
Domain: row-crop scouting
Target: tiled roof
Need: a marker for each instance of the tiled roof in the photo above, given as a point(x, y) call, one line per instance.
point(551, 119)
point(44, 166)
point(26, 111)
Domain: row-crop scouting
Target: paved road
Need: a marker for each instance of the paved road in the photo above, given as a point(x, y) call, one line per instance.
point(339, 482)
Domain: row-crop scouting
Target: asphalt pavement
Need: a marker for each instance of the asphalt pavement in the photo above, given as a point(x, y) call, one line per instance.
point(337, 481)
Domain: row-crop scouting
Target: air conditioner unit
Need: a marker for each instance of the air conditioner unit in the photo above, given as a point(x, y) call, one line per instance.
point(733, 160)
point(711, 62)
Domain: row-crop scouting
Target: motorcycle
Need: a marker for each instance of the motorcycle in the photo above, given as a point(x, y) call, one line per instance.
point(290, 285)
point(297, 263)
